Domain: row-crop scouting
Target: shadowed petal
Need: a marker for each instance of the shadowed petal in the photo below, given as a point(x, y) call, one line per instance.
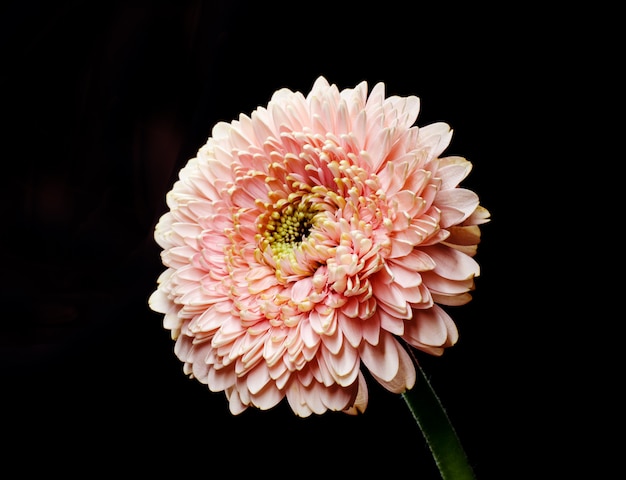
point(362, 398)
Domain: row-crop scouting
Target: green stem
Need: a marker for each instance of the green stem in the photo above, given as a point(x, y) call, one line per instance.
point(439, 433)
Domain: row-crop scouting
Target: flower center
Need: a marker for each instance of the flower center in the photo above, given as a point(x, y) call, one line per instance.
point(286, 229)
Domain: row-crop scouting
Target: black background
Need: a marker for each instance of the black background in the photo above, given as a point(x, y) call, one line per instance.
point(103, 103)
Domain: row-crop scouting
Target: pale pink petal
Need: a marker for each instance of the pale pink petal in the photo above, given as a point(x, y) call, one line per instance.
point(390, 323)
point(352, 329)
point(344, 364)
point(221, 380)
point(235, 404)
point(159, 301)
point(456, 205)
point(381, 360)
point(200, 369)
point(439, 284)
point(339, 398)
point(453, 264)
point(333, 342)
point(390, 297)
point(268, 397)
point(400, 247)
point(435, 138)
point(260, 126)
point(296, 402)
point(405, 378)
point(403, 275)
point(432, 327)
point(372, 330)
point(452, 171)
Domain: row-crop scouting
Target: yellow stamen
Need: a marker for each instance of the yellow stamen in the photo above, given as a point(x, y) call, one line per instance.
point(287, 227)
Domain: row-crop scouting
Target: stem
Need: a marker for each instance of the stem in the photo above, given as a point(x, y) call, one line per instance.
point(439, 433)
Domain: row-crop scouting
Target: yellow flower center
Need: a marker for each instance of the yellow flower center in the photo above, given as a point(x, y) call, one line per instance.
point(286, 229)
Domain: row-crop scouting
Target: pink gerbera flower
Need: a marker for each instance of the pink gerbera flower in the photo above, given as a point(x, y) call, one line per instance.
point(304, 242)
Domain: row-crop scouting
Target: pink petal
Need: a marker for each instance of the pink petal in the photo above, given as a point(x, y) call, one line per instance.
point(435, 137)
point(390, 323)
point(382, 360)
point(257, 379)
point(452, 264)
point(432, 327)
point(403, 276)
point(235, 405)
point(344, 364)
point(351, 327)
point(406, 376)
point(220, 380)
point(456, 205)
point(390, 296)
point(159, 302)
point(439, 284)
point(452, 171)
point(371, 330)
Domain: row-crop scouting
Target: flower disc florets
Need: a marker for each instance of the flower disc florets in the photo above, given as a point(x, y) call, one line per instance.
point(305, 240)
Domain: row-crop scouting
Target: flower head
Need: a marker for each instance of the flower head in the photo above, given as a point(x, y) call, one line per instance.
point(306, 241)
